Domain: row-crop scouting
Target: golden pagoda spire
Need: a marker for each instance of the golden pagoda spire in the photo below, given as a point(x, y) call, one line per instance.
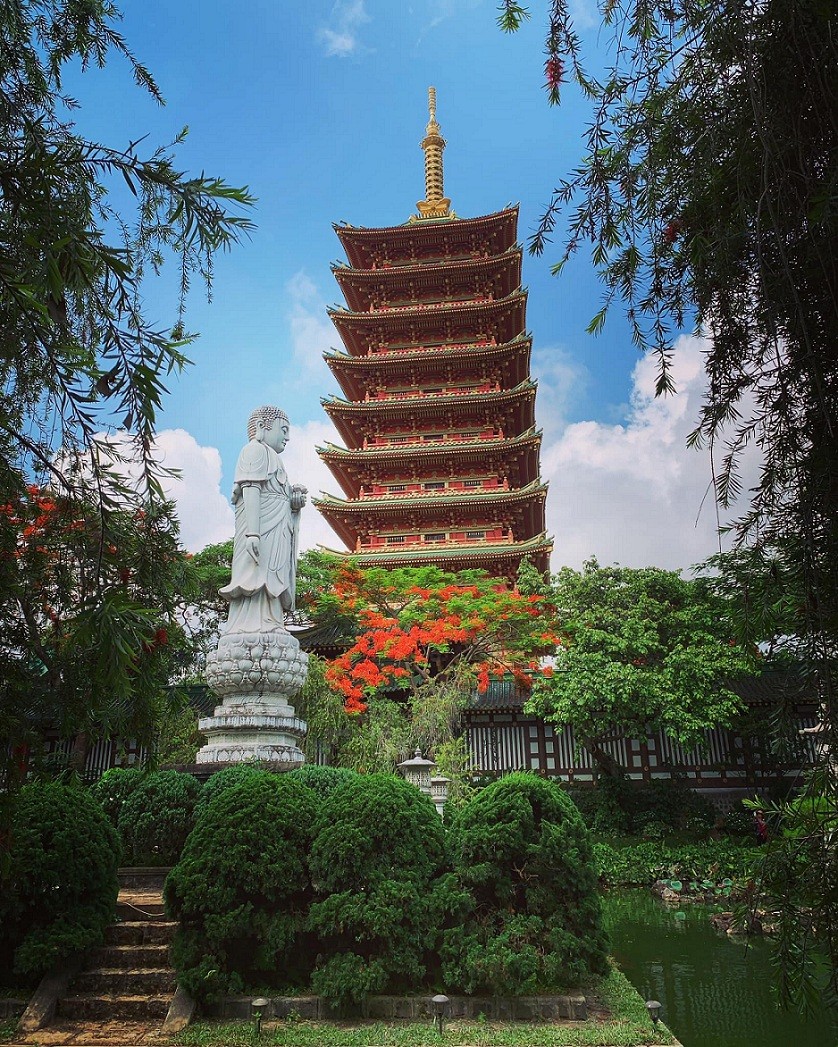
point(435, 204)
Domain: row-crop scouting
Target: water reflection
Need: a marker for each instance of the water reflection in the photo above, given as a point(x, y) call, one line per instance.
point(716, 991)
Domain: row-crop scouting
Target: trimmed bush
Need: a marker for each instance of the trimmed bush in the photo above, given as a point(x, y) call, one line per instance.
point(641, 864)
point(615, 805)
point(61, 890)
point(156, 818)
point(114, 788)
point(230, 776)
point(529, 916)
point(324, 780)
point(378, 851)
point(241, 889)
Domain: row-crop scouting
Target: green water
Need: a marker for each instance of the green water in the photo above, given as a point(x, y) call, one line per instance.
point(715, 991)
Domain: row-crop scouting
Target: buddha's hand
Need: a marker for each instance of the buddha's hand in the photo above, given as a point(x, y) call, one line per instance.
point(298, 497)
point(251, 547)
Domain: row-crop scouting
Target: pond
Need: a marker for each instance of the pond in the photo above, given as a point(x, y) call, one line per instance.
point(716, 991)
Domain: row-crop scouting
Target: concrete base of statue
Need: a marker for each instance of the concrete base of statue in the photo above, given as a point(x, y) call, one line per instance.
point(256, 675)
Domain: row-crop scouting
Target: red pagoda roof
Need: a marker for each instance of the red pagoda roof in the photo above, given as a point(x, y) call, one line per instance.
point(356, 374)
point(447, 238)
point(512, 408)
point(367, 289)
point(497, 559)
point(517, 458)
point(503, 318)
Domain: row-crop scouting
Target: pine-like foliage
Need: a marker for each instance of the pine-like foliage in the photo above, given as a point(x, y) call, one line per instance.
point(529, 916)
point(377, 856)
point(241, 889)
point(62, 886)
point(157, 817)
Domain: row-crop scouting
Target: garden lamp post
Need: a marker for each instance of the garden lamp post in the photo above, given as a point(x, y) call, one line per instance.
point(654, 1009)
point(257, 1009)
point(439, 791)
point(440, 1006)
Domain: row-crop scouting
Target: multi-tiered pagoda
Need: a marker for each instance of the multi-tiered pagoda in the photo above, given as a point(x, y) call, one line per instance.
point(441, 463)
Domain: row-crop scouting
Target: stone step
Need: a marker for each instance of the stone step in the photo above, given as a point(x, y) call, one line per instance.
point(131, 955)
point(109, 981)
point(64, 1032)
point(99, 1007)
point(139, 908)
point(140, 932)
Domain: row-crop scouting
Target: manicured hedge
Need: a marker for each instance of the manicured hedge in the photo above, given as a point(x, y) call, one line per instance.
point(61, 888)
point(156, 817)
point(241, 889)
point(376, 862)
point(527, 914)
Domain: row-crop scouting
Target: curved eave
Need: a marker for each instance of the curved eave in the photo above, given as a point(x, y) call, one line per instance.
point(523, 391)
point(478, 447)
point(357, 241)
point(359, 285)
point(510, 553)
point(351, 372)
point(400, 317)
point(390, 505)
point(518, 455)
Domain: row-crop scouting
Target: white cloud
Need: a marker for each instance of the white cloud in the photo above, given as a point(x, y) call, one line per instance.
point(560, 380)
point(312, 333)
point(205, 513)
point(340, 37)
point(304, 466)
point(634, 493)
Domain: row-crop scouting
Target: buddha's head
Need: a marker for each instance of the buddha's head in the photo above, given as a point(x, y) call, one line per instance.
point(269, 425)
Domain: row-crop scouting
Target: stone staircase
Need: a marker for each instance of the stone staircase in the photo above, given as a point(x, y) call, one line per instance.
point(129, 978)
point(124, 992)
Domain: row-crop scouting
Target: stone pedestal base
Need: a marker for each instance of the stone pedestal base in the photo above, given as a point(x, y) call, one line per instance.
point(255, 675)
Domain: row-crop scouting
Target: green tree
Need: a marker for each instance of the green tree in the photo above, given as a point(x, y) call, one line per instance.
point(708, 192)
point(639, 649)
point(83, 372)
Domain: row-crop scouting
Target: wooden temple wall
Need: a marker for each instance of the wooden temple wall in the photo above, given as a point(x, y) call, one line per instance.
point(503, 742)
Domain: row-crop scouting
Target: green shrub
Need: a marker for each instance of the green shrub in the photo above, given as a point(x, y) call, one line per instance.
point(241, 889)
point(156, 818)
point(378, 851)
point(61, 888)
point(114, 788)
point(324, 780)
point(528, 914)
point(616, 805)
point(226, 778)
point(642, 864)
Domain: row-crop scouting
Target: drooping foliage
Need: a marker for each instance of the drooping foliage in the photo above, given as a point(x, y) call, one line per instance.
point(60, 892)
point(527, 914)
point(707, 192)
point(375, 862)
point(156, 818)
point(241, 888)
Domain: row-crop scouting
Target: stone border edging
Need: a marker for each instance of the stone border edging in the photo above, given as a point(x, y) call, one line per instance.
point(41, 1008)
point(317, 1008)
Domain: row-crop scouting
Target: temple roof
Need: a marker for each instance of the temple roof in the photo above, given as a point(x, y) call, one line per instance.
point(449, 237)
point(363, 287)
point(503, 318)
point(514, 409)
point(500, 559)
point(356, 373)
point(457, 510)
point(518, 456)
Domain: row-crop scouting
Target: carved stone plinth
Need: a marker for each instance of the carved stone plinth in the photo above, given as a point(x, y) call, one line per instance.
point(255, 675)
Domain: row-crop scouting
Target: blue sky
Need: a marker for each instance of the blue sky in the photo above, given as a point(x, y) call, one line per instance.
point(319, 108)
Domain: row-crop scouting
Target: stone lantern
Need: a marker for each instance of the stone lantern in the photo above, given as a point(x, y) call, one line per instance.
point(439, 791)
point(418, 772)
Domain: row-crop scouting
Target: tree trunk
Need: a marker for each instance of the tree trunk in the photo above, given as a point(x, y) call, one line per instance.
point(78, 752)
point(606, 765)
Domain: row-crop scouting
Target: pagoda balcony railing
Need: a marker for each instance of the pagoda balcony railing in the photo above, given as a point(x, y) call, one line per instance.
point(421, 394)
point(444, 303)
point(402, 350)
point(433, 440)
point(424, 259)
point(420, 541)
point(367, 493)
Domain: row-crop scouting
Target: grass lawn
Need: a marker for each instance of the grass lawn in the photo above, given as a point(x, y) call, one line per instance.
point(627, 1025)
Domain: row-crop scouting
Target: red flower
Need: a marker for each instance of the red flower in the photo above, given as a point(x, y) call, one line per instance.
point(124, 575)
point(673, 228)
point(553, 72)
